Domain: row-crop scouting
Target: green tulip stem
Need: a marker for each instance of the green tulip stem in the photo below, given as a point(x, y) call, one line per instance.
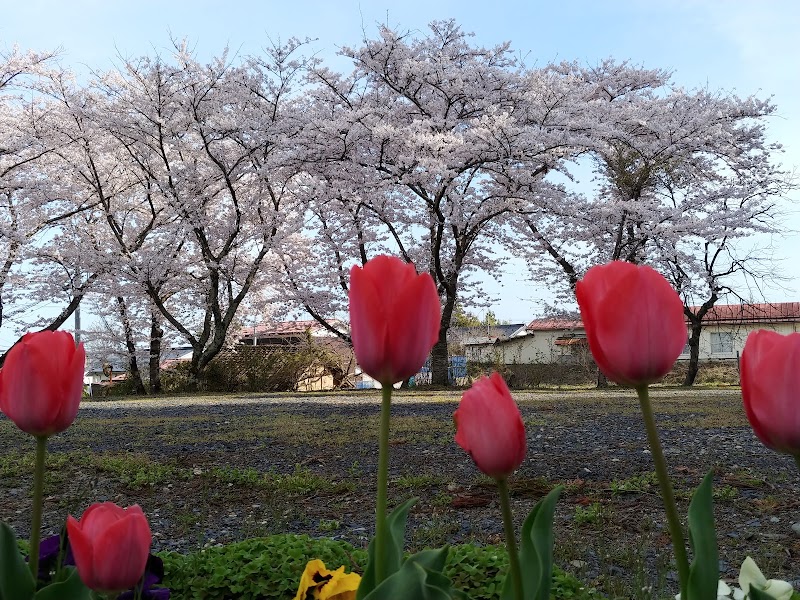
point(511, 541)
point(797, 460)
point(675, 530)
point(383, 478)
point(38, 496)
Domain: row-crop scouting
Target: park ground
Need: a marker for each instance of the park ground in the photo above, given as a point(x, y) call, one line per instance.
point(216, 469)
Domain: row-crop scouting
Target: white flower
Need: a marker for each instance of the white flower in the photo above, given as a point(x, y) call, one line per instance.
point(750, 574)
point(723, 591)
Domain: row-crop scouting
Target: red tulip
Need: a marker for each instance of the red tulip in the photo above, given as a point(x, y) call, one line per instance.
point(489, 427)
point(110, 545)
point(770, 374)
point(634, 322)
point(394, 318)
point(41, 382)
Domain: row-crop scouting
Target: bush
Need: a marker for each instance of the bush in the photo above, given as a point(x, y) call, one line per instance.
point(711, 372)
point(256, 369)
point(534, 375)
point(270, 568)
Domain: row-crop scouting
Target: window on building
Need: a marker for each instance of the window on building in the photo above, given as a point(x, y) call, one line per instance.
point(721, 342)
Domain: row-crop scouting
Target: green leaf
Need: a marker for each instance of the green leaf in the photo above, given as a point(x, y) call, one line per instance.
point(393, 553)
point(71, 588)
point(704, 570)
point(431, 559)
point(16, 581)
point(416, 581)
point(757, 594)
point(536, 551)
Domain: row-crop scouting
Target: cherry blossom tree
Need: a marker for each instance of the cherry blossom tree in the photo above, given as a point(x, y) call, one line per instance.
point(425, 126)
point(681, 178)
point(30, 214)
point(212, 148)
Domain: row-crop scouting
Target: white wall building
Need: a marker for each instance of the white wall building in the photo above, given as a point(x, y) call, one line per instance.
point(725, 330)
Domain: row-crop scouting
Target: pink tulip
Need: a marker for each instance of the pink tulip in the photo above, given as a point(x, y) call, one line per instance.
point(489, 427)
point(634, 322)
point(770, 374)
point(110, 545)
point(41, 382)
point(394, 318)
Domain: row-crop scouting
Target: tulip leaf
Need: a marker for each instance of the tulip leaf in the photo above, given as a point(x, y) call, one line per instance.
point(757, 594)
point(16, 581)
point(72, 588)
point(704, 570)
point(419, 578)
point(393, 553)
point(536, 551)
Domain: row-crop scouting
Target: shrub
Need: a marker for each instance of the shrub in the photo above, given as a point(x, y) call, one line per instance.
point(258, 369)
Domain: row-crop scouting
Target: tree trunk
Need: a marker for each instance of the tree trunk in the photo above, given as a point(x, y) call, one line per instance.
point(440, 359)
point(602, 380)
point(133, 365)
point(694, 354)
point(156, 333)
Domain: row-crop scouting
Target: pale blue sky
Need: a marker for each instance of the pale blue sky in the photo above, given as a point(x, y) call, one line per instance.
point(738, 45)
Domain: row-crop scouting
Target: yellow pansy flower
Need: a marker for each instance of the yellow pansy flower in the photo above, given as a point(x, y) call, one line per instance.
point(319, 583)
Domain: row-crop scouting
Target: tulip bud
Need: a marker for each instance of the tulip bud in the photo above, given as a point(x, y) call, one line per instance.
point(110, 545)
point(634, 322)
point(770, 377)
point(490, 428)
point(394, 318)
point(41, 382)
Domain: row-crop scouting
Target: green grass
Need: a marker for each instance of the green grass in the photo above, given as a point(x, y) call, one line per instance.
point(270, 568)
point(593, 514)
point(636, 483)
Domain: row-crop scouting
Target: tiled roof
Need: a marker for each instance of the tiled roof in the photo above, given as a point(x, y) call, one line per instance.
point(284, 328)
point(553, 324)
point(753, 313)
point(722, 313)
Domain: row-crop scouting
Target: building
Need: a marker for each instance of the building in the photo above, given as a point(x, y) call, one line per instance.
point(334, 365)
point(563, 341)
point(726, 327)
point(477, 343)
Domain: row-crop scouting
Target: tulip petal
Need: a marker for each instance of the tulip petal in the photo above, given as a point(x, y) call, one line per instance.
point(121, 551)
point(634, 322)
point(489, 427)
point(367, 322)
point(42, 382)
point(394, 318)
point(770, 379)
point(99, 517)
point(82, 552)
point(30, 402)
point(413, 327)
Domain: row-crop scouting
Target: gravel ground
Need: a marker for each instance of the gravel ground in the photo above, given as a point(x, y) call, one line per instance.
point(609, 522)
